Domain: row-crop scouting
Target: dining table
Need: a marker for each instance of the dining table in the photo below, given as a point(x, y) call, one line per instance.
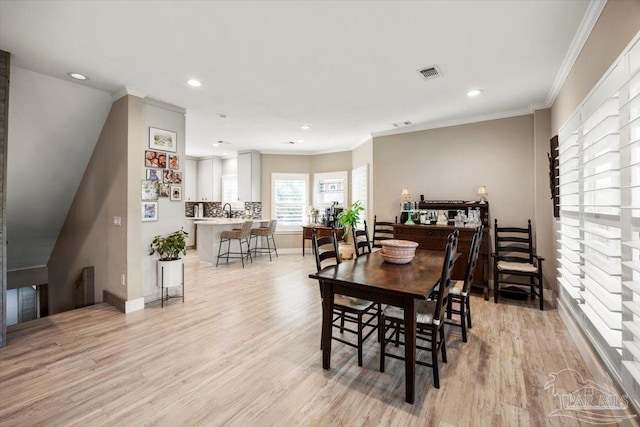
point(370, 277)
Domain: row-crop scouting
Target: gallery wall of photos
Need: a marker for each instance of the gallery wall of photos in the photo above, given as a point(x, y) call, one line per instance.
point(163, 175)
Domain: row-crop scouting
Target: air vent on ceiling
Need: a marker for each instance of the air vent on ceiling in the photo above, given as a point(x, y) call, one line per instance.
point(401, 124)
point(429, 73)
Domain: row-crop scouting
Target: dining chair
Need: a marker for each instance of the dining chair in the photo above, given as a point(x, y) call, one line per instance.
point(359, 312)
point(382, 230)
point(430, 319)
point(267, 232)
point(461, 289)
point(361, 240)
point(242, 236)
point(515, 258)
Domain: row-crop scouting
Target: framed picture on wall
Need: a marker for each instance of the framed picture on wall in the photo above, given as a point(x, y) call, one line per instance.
point(163, 140)
point(167, 176)
point(155, 159)
point(154, 174)
point(176, 193)
point(149, 189)
point(177, 177)
point(149, 211)
point(174, 161)
point(165, 190)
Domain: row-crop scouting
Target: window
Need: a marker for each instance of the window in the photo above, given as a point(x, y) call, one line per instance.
point(229, 189)
point(329, 187)
point(599, 226)
point(359, 190)
point(290, 192)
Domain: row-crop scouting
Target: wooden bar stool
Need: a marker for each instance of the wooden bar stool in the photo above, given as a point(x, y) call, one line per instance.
point(242, 236)
point(267, 232)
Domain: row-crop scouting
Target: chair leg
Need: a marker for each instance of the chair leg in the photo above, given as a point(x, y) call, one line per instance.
point(443, 347)
point(241, 254)
point(342, 322)
point(468, 312)
point(274, 245)
point(434, 358)
point(380, 325)
point(382, 344)
point(397, 331)
point(219, 249)
point(463, 319)
point(541, 285)
point(228, 249)
point(532, 281)
point(360, 339)
point(496, 287)
point(449, 309)
point(268, 248)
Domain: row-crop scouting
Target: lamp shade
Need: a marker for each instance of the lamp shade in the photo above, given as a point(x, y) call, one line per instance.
point(405, 192)
point(482, 191)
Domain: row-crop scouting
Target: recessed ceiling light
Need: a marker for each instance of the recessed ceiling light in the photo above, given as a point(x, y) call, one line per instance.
point(305, 127)
point(194, 83)
point(215, 144)
point(474, 92)
point(78, 76)
point(300, 141)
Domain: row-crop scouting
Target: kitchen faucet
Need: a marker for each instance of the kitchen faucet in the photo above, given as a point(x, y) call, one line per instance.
point(228, 213)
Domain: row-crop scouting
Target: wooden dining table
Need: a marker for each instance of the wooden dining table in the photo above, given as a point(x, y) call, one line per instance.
point(370, 277)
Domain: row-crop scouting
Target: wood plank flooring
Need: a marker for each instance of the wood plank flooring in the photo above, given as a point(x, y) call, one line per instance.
point(243, 350)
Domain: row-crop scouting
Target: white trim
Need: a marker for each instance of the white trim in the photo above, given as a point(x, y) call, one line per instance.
point(584, 30)
point(123, 91)
point(26, 268)
point(134, 305)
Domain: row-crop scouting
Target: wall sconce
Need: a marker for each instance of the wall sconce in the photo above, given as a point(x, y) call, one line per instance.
point(482, 192)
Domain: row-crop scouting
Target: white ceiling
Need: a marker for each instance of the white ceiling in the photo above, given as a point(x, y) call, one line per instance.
point(346, 68)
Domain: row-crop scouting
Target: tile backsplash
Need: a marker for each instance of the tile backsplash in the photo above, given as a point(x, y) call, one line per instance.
point(252, 210)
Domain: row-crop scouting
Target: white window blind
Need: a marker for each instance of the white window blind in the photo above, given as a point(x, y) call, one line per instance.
point(290, 194)
point(330, 187)
point(599, 228)
point(229, 188)
point(360, 189)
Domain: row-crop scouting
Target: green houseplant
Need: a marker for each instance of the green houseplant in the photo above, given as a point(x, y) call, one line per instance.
point(350, 217)
point(169, 247)
point(170, 266)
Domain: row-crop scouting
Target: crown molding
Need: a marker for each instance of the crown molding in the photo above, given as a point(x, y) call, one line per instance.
point(125, 90)
point(454, 122)
point(586, 26)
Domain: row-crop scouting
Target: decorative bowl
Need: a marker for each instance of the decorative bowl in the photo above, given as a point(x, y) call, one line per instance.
point(397, 259)
point(398, 251)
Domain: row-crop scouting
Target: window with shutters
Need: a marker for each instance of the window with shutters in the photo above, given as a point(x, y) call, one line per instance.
point(290, 192)
point(229, 189)
point(599, 226)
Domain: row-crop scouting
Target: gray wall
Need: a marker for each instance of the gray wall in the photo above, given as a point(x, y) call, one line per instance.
point(451, 163)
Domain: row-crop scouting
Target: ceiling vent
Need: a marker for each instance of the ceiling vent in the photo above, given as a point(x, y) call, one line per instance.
point(429, 73)
point(401, 124)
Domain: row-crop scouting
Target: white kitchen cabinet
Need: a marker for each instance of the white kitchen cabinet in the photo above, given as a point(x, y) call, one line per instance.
point(209, 180)
point(249, 176)
point(190, 228)
point(190, 180)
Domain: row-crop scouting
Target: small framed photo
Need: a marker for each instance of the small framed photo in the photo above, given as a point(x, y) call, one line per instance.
point(177, 177)
point(149, 211)
point(163, 140)
point(155, 159)
point(154, 174)
point(167, 176)
point(174, 161)
point(176, 193)
point(165, 190)
point(149, 189)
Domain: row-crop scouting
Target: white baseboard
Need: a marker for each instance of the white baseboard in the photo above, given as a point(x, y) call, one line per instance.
point(134, 305)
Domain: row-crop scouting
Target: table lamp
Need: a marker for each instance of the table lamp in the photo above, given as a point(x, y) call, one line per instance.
point(482, 192)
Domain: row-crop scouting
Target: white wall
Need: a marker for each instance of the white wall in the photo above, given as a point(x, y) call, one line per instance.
point(53, 129)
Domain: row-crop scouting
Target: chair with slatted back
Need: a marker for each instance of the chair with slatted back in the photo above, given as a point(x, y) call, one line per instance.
point(461, 289)
point(430, 319)
point(515, 260)
point(382, 230)
point(352, 311)
point(361, 240)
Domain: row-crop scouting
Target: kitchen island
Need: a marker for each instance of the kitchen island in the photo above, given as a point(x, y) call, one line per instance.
point(209, 229)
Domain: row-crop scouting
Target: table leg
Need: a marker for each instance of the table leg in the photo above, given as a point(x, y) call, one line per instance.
point(327, 317)
point(410, 348)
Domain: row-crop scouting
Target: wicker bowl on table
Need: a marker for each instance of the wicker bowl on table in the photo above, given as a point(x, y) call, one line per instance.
point(398, 251)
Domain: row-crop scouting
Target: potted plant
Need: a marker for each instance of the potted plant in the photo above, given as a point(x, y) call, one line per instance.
point(170, 265)
point(349, 219)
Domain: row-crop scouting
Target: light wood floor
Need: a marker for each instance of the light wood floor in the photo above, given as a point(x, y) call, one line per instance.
point(243, 350)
